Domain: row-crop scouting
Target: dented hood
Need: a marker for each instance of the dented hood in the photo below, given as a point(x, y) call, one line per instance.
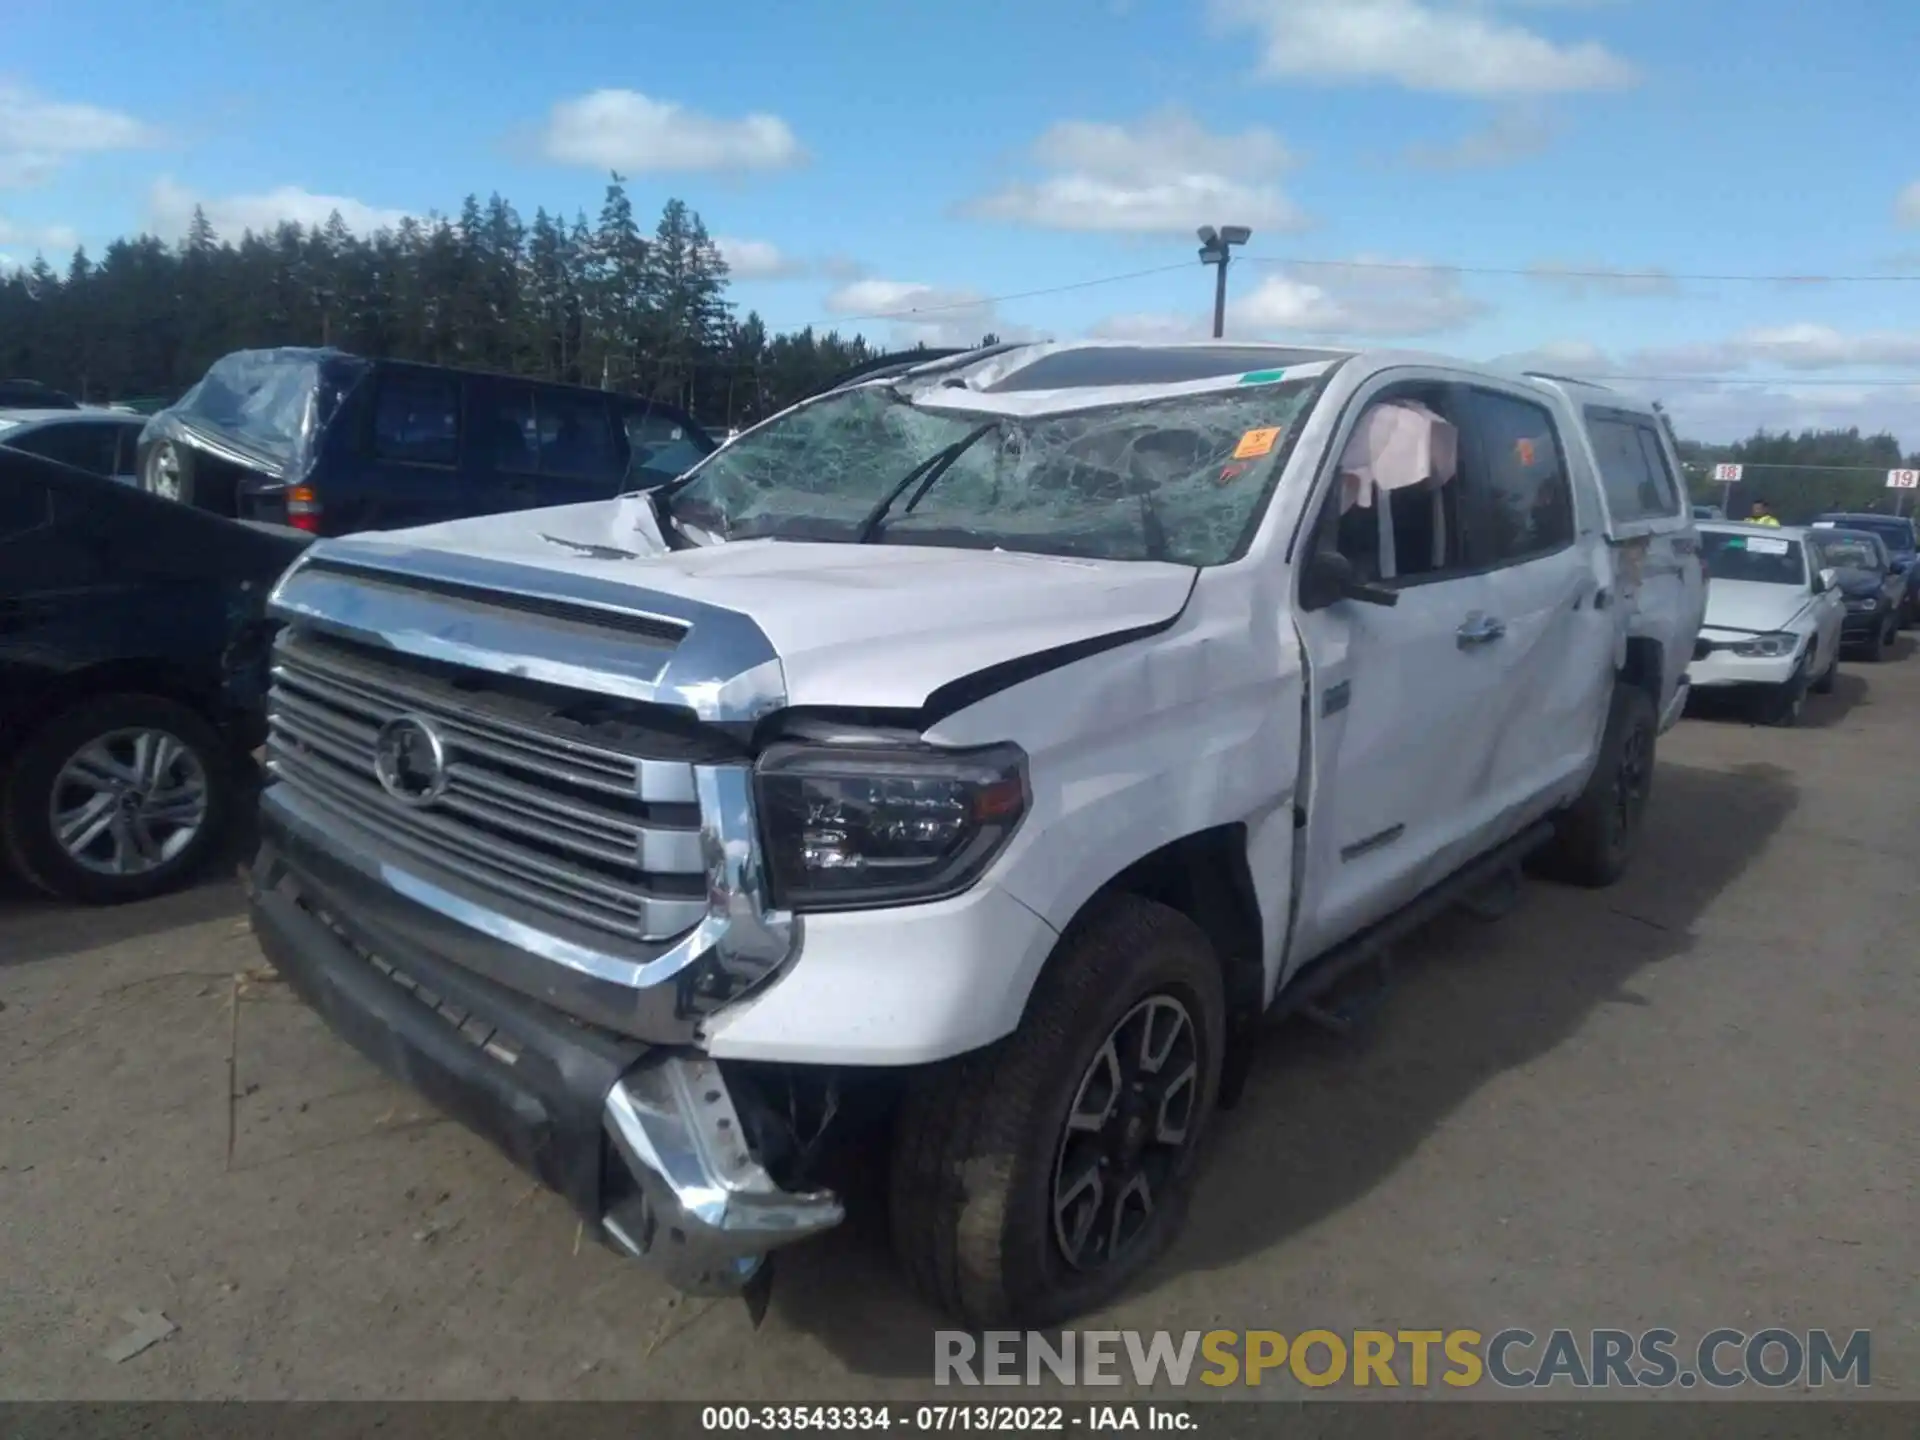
point(1751, 606)
point(881, 626)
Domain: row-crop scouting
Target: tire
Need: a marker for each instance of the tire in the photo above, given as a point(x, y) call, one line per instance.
point(982, 1141)
point(1823, 685)
point(46, 774)
point(1874, 650)
point(1784, 708)
point(1594, 838)
point(168, 472)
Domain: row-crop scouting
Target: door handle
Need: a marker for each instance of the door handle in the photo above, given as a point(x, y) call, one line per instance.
point(1478, 629)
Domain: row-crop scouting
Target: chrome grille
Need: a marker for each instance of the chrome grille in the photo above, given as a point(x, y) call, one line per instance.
point(555, 818)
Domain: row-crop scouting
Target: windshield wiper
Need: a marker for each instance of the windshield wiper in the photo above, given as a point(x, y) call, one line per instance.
point(931, 468)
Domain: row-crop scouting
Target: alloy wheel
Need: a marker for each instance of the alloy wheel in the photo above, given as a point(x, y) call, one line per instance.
point(129, 801)
point(1130, 1125)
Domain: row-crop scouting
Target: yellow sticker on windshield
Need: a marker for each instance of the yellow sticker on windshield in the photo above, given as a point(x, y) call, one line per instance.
point(1256, 443)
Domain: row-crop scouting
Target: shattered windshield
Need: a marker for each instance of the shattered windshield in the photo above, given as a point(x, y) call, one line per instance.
point(1182, 478)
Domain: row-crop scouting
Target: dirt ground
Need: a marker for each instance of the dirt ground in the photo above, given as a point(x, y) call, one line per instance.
point(1688, 1102)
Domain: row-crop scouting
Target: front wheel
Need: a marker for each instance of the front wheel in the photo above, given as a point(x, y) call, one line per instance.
point(1873, 649)
point(1594, 838)
point(120, 798)
point(1033, 1180)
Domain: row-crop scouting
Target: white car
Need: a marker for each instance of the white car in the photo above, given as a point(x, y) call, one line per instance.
point(998, 741)
point(1772, 631)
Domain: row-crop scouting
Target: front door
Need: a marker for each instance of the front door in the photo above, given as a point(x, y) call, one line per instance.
point(1437, 723)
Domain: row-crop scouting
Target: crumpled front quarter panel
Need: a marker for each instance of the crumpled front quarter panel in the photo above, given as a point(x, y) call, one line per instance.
point(1157, 740)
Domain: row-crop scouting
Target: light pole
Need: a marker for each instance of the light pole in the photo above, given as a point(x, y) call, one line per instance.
point(1216, 247)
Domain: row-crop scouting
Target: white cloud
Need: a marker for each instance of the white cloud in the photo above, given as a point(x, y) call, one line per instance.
point(60, 238)
point(1562, 357)
point(1420, 44)
point(916, 313)
point(1705, 410)
point(636, 134)
point(38, 135)
point(759, 260)
point(1370, 297)
point(1514, 134)
point(170, 210)
point(1579, 279)
point(1790, 347)
point(1360, 300)
point(1906, 207)
point(1164, 174)
point(1148, 328)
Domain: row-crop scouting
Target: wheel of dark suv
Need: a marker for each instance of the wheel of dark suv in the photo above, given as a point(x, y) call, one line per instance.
point(120, 798)
point(1874, 649)
point(1033, 1180)
point(1594, 838)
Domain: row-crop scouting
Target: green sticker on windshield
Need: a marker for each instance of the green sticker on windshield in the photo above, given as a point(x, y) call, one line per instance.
point(1262, 377)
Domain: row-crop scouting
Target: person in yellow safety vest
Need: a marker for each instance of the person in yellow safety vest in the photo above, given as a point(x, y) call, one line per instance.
point(1761, 515)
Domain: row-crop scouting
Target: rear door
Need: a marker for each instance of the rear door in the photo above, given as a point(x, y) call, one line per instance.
point(1662, 585)
point(540, 445)
point(1548, 585)
point(408, 469)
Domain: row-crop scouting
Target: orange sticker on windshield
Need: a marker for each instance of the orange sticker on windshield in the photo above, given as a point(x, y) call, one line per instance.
point(1256, 443)
point(1524, 449)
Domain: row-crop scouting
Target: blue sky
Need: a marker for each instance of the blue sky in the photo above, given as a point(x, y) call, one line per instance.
point(862, 158)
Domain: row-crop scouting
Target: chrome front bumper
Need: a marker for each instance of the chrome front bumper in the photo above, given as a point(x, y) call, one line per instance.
point(701, 1207)
point(646, 1143)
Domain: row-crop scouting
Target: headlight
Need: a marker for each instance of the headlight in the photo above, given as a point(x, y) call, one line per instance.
point(850, 826)
point(1869, 602)
point(1768, 647)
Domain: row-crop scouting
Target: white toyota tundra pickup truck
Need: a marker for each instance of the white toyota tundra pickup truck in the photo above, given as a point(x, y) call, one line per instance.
point(986, 746)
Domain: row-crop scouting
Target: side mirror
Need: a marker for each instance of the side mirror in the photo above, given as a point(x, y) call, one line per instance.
point(1330, 578)
point(1825, 580)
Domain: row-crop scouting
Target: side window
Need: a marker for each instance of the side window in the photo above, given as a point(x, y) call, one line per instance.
point(575, 436)
point(1519, 500)
point(505, 432)
point(85, 447)
point(416, 418)
point(1665, 486)
point(1394, 511)
point(1633, 470)
point(660, 445)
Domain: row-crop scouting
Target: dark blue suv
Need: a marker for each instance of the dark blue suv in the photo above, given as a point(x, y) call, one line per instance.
point(332, 443)
point(1896, 532)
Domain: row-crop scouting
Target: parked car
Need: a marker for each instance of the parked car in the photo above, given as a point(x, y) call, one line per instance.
point(32, 395)
point(1774, 620)
point(1896, 532)
point(1708, 512)
point(1874, 590)
point(99, 441)
point(995, 742)
point(332, 443)
point(133, 654)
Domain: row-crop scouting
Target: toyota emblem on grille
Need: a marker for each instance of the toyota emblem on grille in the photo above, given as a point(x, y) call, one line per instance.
point(410, 761)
